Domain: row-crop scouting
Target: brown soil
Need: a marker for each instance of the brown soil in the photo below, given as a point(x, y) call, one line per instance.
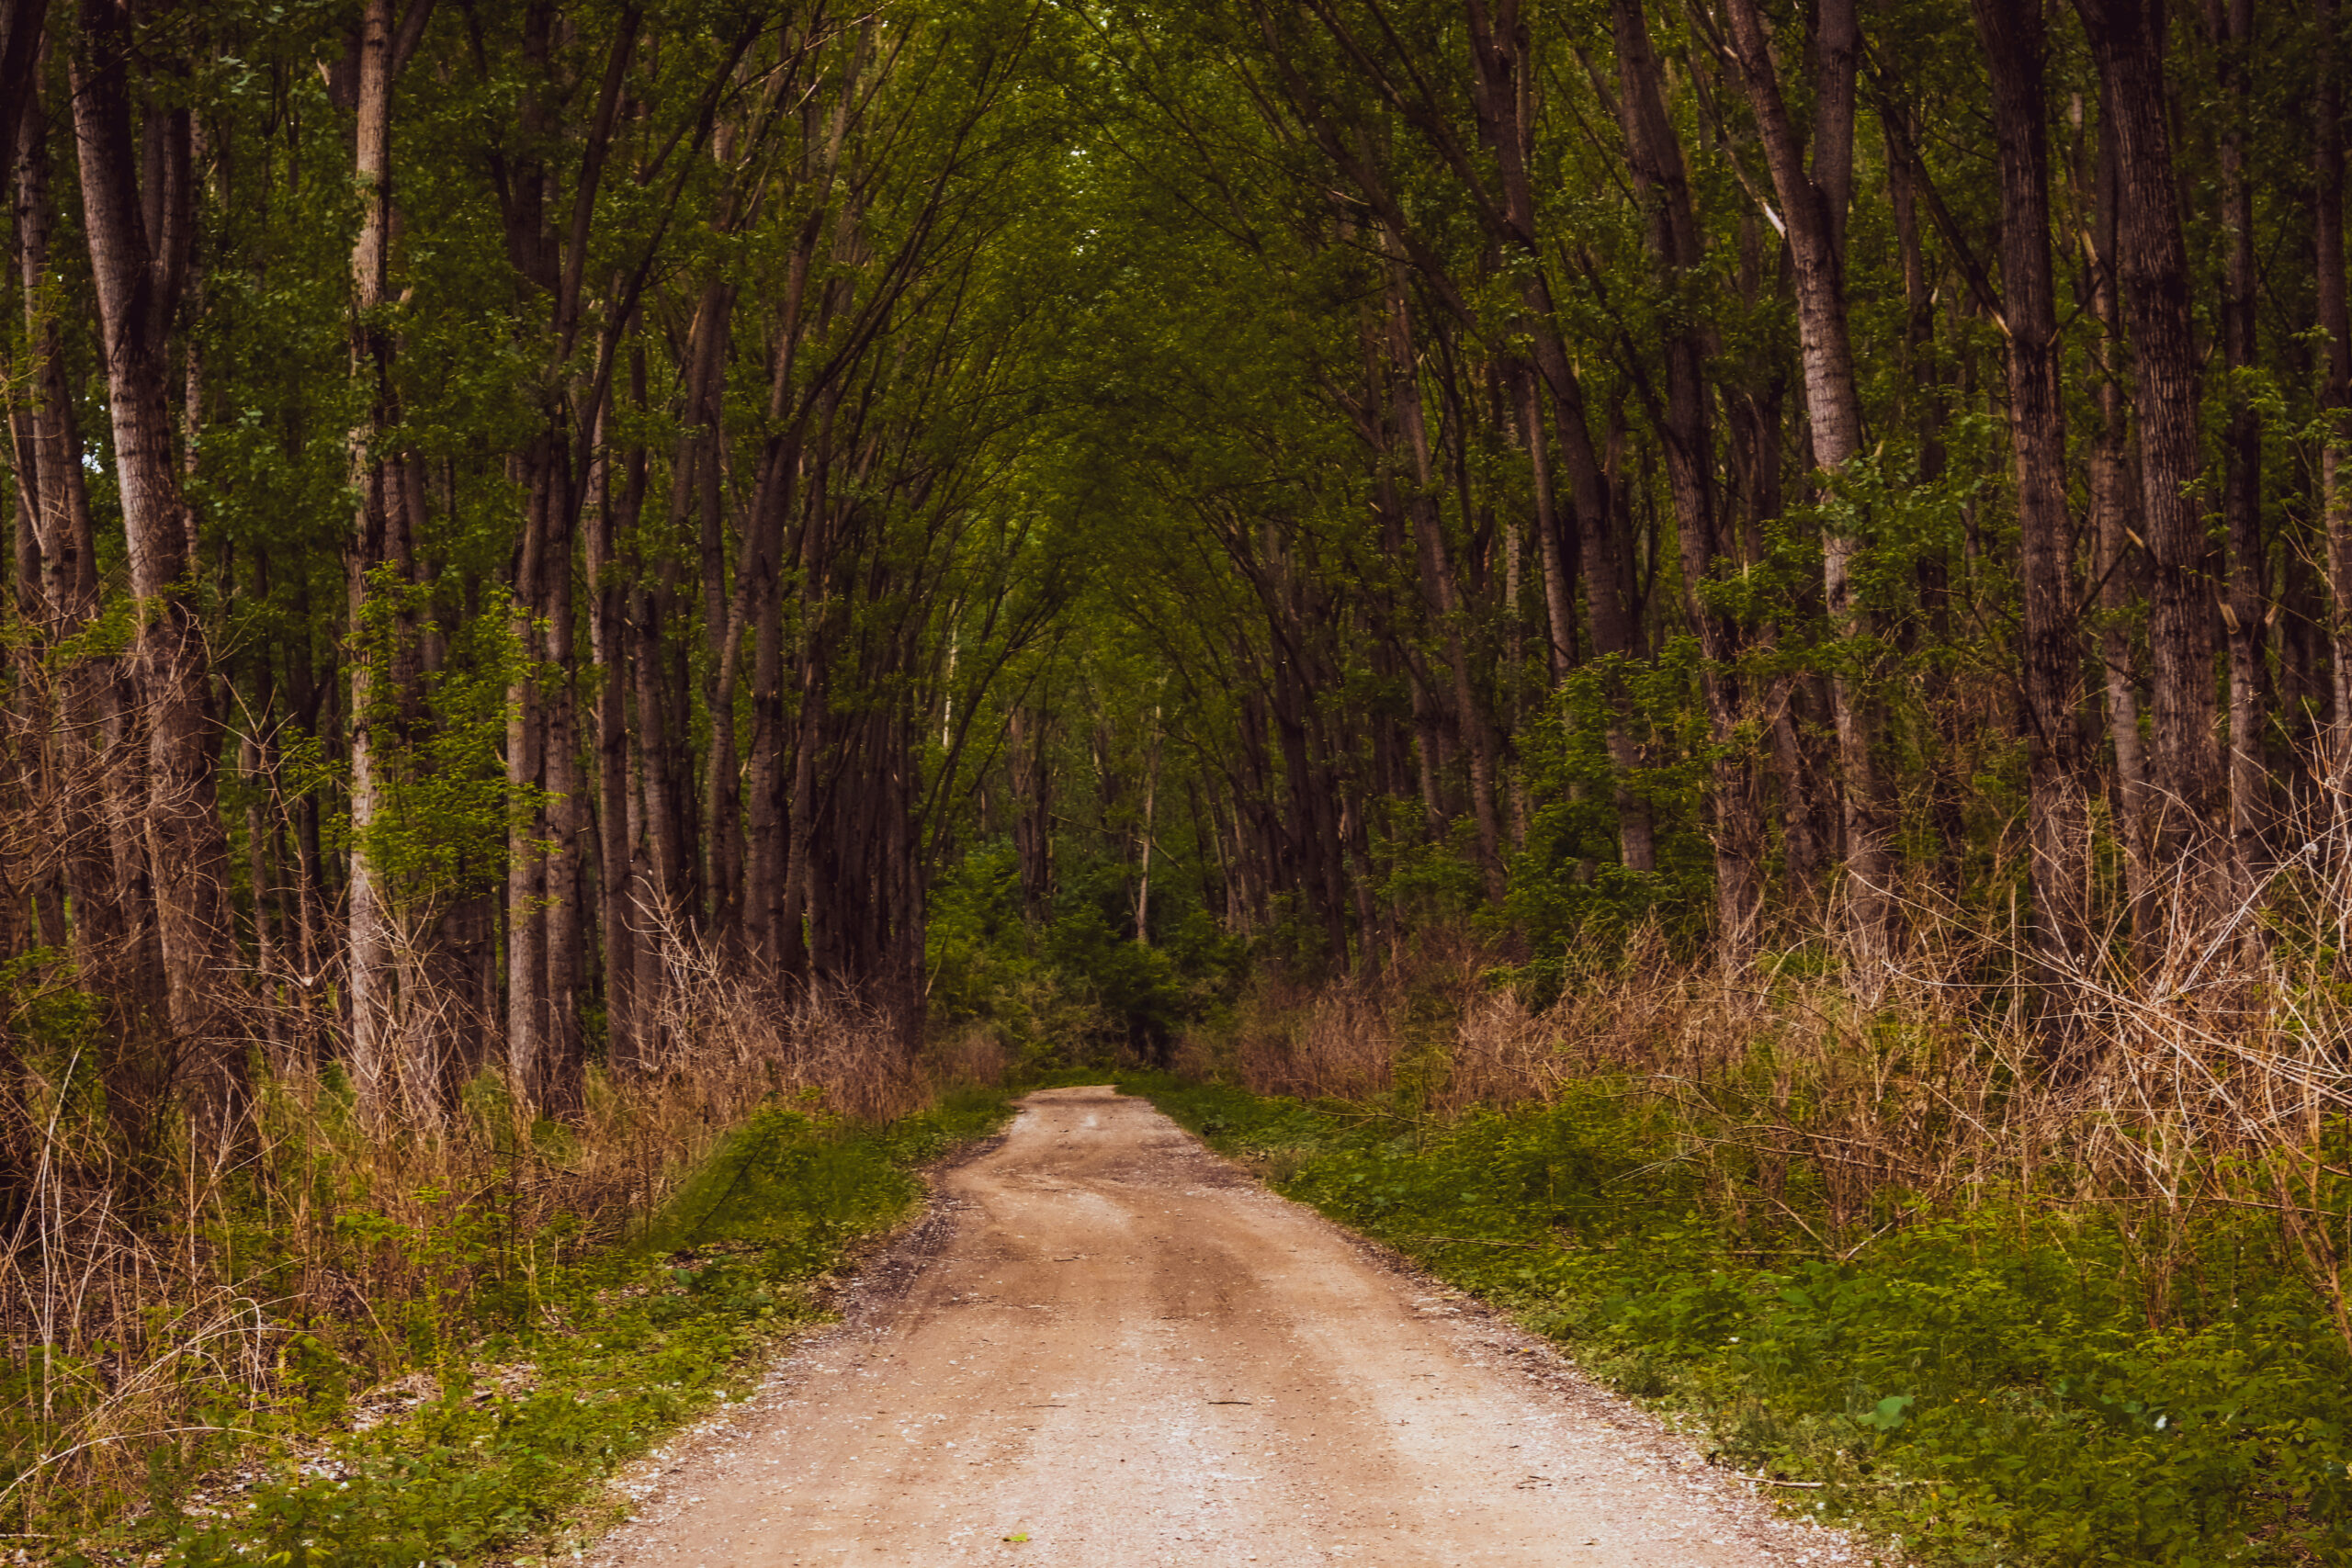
point(1107, 1348)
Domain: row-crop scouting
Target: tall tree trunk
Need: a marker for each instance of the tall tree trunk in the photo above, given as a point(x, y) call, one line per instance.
point(1430, 753)
point(139, 267)
point(565, 1061)
point(26, 790)
point(612, 535)
point(1944, 734)
point(267, 961)
point(386, 1087)
point(2116, 525)
point(1661, 179)
point(1033, 825)
point(804, 925)
point(527, 888)
point(51, 474)
point(1813, 202)
point(21, 24)
point(1559, 585)
point(2057, 829)
point(722, 824)
point(1503, 98)
point(1142, 838)
point(765, 837)
point(2127, 41)
point(2231, 24)
point(310, 701)
point(548, 898)
point(2335, 382)
point(1441, 591)
point(659, 905)
point(656, 907)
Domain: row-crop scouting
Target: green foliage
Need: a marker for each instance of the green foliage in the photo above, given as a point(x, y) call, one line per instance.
point(42, 1011)
point(1151, 990)
point(798, 1184)
point(1568, 890)
point(1983, 1385)
point(550, 1380)
point(444, 805)
point(987, 966)
point(1073, 987)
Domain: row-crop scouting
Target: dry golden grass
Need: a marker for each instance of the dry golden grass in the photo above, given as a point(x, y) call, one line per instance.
point(295, 1219)
point(2206, 1067)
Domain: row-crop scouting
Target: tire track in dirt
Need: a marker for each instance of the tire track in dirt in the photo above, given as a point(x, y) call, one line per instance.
point(1107, 1344)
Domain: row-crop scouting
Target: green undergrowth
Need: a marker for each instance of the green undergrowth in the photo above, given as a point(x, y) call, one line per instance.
point(1984, 1386)
point(505, 1442)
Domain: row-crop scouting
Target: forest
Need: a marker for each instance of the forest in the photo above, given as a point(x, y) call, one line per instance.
point(580, 567)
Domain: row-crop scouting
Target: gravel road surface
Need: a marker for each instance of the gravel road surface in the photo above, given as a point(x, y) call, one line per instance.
point(1106, 1348)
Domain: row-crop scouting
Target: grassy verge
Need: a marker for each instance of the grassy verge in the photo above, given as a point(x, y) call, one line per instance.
point(1983, 1385)
point(567, 1374)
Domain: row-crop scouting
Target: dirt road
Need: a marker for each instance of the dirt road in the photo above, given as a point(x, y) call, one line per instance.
point(1107, 1348)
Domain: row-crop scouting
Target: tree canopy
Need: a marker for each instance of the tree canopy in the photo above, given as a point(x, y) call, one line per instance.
point(919, 499)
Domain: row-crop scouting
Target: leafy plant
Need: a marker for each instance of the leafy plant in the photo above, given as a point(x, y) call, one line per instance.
point(1983, 1385)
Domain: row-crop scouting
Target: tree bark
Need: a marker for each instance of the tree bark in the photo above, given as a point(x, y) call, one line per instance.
point(386, 1085)
point(1814, 203)
point(54, 492)
point(722, 822)
point(2116, 523)
point(548, 897)
point(2243, 612)
point(1661, 182)
point(2057, 831)
point(1032, 826)
point(2335, 381)
point(562, 1083)
point(20, 53)
point(767, 812)
point(526, 876)
point(139, 266)
point(1441, 590)
point(2151, 258)
point(612, 561)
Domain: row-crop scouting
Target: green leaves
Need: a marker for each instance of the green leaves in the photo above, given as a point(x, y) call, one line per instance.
point(1887, 1414)
point(445, 806)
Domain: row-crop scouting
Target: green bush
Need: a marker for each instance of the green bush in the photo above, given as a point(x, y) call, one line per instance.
point(1073, 988)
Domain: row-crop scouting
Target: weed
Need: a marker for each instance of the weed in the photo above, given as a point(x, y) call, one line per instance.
point(542, 1389)
point(1985, 1381)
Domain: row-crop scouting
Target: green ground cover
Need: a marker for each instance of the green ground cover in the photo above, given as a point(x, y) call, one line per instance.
point(1983, 1386)
point(568, 1375)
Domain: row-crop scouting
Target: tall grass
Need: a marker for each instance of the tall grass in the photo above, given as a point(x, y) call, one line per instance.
point(161, 1300)
point(2199, 1072)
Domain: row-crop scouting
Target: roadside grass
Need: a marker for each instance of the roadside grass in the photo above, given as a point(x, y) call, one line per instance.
point(1983, 1385)
point(558, 1376)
